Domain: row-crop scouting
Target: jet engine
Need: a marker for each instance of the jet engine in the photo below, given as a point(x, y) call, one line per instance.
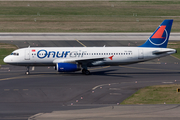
point(67, 67)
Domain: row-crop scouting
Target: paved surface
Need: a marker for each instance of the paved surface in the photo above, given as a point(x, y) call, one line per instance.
point(72, 43)
point(45, 90)
point(136, 112)
point(51, 95)
point(80, 36)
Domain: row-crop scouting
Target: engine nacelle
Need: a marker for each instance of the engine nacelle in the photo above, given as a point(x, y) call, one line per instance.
point(67, 67)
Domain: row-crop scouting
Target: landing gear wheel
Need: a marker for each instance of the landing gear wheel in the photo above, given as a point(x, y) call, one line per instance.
point(83, 71)
point(86, 72)
point(27, 72)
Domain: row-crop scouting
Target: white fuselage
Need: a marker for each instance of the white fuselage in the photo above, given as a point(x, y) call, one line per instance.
point(49, 56)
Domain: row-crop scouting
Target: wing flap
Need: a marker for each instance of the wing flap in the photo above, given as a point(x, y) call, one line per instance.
point(77, 60)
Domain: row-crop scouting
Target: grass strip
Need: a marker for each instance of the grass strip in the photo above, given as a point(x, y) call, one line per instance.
point(87, 16)
point(159, 94)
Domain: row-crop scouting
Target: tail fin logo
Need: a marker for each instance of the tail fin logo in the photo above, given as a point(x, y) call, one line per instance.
point(160, 36)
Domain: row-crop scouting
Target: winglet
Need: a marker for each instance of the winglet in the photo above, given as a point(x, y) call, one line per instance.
point(111, 57)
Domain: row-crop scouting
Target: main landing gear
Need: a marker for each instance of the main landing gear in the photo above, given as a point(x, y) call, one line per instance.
point(85, 71)
point(27, 71)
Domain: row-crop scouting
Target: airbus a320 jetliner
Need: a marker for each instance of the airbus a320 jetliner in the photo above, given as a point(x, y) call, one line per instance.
point(70, 59)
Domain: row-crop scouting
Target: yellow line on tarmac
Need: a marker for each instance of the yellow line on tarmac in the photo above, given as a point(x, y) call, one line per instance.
point(11, 78)
point(100, 68)
point(80, 42)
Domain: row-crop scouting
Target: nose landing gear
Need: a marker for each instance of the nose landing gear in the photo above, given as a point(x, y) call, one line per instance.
point(27, 71)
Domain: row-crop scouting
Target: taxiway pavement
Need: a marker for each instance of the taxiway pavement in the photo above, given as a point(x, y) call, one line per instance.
point(80, 36)
point(45, 91)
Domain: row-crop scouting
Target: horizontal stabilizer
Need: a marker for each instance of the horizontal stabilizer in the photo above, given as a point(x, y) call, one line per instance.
point(162, 52)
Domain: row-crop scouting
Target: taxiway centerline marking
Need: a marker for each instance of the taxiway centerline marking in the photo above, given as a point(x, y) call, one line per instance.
point(99, 68)
point(80, 42)
point(11, 78)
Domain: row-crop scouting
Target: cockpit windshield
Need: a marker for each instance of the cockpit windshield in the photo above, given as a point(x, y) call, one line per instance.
point(17, 54)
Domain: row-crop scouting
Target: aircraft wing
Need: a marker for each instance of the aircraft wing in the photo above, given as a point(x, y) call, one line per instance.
point(82, 60)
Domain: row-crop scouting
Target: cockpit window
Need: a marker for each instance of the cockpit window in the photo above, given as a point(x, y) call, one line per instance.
point(16, 54)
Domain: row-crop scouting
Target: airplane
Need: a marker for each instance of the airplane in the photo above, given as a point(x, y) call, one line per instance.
point(71, 59)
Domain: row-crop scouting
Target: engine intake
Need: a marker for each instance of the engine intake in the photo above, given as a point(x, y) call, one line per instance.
point(67, 67)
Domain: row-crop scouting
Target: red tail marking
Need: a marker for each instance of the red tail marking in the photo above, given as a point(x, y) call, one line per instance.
point(159, 32)
point(111, 57)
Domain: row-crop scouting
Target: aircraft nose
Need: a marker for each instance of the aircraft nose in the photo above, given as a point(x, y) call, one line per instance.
point(6, 59)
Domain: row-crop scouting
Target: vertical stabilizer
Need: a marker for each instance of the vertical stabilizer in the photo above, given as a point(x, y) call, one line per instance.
point(161, 36)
